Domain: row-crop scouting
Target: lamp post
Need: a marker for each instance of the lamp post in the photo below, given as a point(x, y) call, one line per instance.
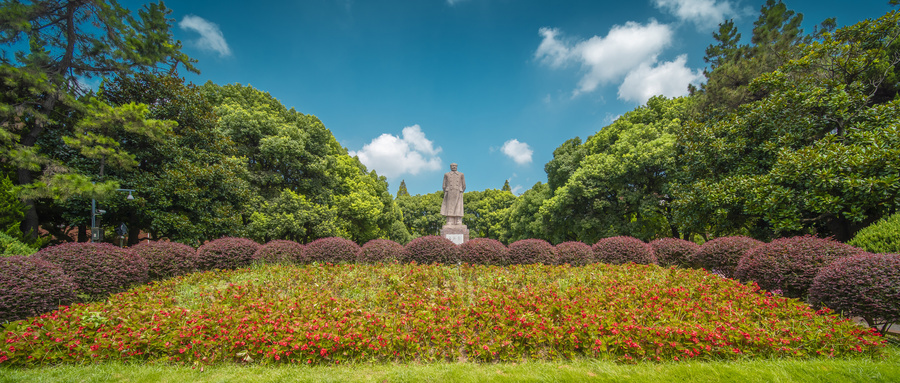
point(96, 234)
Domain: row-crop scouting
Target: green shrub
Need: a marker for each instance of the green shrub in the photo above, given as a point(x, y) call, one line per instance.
point(575, 253)
point(98, 269)
point(31, 286)
point(380, 250)
point(531, 251)
point(484, 251)
point(880, 237)
point(864, 285)
point(621, 250)
point(722, 255)
point(331, 250)
point(11, 246)
point(431, 249)
point(790, 264)
point(280, 251)
point(167, 259)
point(674, 251)
point(226, 253)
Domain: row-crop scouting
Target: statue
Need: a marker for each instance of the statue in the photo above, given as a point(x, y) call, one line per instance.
point(454, 186)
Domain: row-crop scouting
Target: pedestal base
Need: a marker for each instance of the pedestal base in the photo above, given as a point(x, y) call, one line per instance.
point(458, 234)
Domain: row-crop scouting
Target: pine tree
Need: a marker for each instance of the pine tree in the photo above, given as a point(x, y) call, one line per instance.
point(402, 191)
point(506, 187)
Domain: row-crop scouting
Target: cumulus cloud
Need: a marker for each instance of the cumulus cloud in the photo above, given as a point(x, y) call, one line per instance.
point(705, 14)
point(605, 59)
point(211, 38)
point(670, 79)
point(392, 156)
point(520, 152)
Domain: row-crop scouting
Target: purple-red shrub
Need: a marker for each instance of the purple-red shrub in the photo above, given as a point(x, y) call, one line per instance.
point(280, 251)
point(331, 250)
point(674, 251)
point(167, 259)
point(530, 251)
point(864, 285)
point(722, 254)
point(380, 250)
point(622, 249)
point(431, 249)
point(484, 251)
point(790, 264)
point(98, 269)
point(574, 253)
point(30, 286)
point(226, 253)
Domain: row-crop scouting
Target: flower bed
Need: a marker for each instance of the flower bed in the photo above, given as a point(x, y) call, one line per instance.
point(360, 313)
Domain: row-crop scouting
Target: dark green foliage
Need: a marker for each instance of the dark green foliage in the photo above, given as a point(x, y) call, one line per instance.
point(722, 255)
point(880, 237)
point(402, 192)
point(98, 269)
point(31, 286)
point(484, 212)
point(566, 160)
point(524, 220)
point(790, 264)
point(331, 250)
point(12, 246)
point(226, 253)
point(167, 259)
point(532, 251)
point(674, 251)
point(864, 285)
point(380, 250)
point(431, 249)
point(574, 253)
point(484, 251)
point(622, 250)
point(506, 187)
point(12, 210)
point(422, 213)
point(280, 251)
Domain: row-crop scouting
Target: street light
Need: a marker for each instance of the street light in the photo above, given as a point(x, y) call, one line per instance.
point(96, 234)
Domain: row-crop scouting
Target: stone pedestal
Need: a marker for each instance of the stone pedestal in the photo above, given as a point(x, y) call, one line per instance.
point(456, 233)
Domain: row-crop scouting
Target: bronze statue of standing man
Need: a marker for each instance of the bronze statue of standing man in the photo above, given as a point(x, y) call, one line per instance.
point(454, 186)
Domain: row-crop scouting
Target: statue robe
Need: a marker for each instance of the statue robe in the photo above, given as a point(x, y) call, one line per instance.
point(454, 186)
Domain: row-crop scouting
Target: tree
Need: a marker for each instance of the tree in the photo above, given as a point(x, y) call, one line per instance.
point(566, 159)
point(523, 219)
point(69, 41)
point(422, 213)
point(506, 186)
point(818, 154)
point(485, 210)
point(621, 186)
point(402, 190)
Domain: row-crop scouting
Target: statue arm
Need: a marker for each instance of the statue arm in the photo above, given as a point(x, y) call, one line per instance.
point(462, 180)
point(444, 186)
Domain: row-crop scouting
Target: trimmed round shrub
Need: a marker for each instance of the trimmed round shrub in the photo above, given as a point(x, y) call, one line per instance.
point(790, 264)
point(431, 249)
point(98, 269)
point(380, 250)
point(167, 259)
point(484, 251)
point(674, 251)
point(623, 249)
point(574, 253)
point(722, 255)
point(880, 237)
point(280, 251)
point(226, 253)
point(31, 286)
point(864, 285)
point(529, 251)
point(331, 250)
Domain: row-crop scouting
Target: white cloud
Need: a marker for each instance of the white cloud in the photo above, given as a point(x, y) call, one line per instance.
point(670, 79)
point(392, 156)
point(517, 190)
point(605, 59)
point(705, 14)
point(211, 38)
point(520, 152)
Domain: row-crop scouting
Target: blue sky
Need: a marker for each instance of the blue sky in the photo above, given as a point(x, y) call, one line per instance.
point(493, 85)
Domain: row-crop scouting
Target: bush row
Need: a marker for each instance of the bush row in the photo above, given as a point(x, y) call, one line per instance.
point(787, 266)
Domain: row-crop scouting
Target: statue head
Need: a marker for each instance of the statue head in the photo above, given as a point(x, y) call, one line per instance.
point(453, 167)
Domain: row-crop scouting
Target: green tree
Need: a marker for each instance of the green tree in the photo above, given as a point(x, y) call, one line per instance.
point(12, 210)
point(67, 42)
point(523, 219)
point(402, 190)
point(818, 154)
point(506, 186)
point(485, 211)
point(422, 213)
point(566, 159)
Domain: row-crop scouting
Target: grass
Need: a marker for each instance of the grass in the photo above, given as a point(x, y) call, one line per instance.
point(582, 370)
